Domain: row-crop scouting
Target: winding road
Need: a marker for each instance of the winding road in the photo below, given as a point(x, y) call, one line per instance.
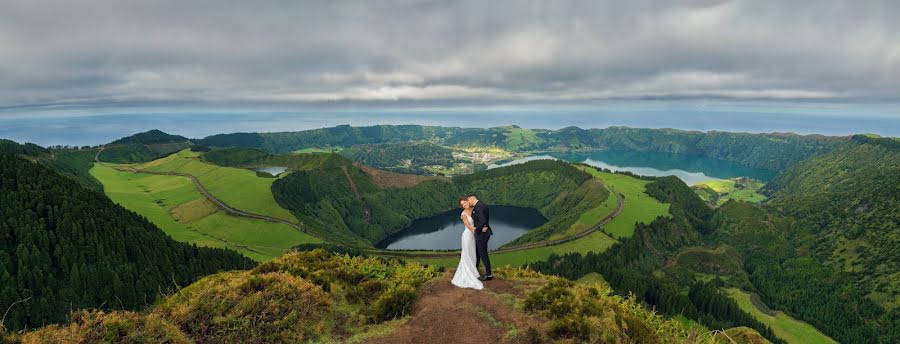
point(399, 254)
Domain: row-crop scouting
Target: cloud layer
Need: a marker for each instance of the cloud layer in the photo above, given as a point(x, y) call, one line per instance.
point(68, 54)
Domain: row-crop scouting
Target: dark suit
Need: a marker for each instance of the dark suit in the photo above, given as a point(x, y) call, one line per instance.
point(481, 215)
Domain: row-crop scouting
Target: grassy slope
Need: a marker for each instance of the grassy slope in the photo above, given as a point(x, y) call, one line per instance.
point(173, 204)
point(520, 138)
point(239, 188)
point(639, 207)
point(727, 190)
point(785, 327)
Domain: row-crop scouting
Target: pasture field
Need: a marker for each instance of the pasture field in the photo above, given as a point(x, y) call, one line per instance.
point(729, 189)
point(237, 187)
point(785, 327)
point(173, 204)
point(639, 207)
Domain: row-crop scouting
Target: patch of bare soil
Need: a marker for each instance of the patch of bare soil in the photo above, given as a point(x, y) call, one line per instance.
point(447, 314)
point(385, 179)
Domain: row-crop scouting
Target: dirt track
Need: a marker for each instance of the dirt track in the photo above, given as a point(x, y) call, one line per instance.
point(447, 314)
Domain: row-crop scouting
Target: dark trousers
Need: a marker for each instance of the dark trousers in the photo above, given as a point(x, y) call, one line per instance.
point(481, 253)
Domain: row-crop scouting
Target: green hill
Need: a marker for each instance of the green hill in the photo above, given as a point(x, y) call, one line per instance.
point(849, 200)
point(323, 298)
point(774, 151)
point(65, 247)
point(150, 137)
point(411, 158)
point(347, 203)
point(143, 147)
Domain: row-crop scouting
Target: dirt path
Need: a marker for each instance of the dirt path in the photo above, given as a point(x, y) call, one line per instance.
point(447, 314)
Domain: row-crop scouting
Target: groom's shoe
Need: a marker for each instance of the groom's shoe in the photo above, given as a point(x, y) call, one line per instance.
point(486, 278)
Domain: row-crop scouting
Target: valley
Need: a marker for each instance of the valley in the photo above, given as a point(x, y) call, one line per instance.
point(688, 251)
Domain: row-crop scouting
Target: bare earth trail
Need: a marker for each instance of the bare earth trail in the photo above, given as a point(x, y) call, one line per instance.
point(447, 314)
point(399, 254)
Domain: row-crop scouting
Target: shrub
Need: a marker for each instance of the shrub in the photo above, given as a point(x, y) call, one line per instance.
point(250, 308)
point(113, 327)
point(570, 327)
point(394, 303)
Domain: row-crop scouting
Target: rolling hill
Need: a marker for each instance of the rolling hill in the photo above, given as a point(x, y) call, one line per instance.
point(774, 151)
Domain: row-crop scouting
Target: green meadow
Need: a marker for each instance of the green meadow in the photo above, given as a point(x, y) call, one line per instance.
point(727, 189)
point(317, 150)
point(785, 327)
point(639, 207)
point(237, 187)
point(173, 204)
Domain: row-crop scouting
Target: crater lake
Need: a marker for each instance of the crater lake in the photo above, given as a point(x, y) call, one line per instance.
point(443, 231)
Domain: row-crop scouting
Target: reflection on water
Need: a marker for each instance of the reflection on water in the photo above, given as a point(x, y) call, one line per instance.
point(690, 169)
point(273, 170)
point(442, 232)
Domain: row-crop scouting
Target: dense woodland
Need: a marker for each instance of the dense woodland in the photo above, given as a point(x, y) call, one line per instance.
point(65, 247)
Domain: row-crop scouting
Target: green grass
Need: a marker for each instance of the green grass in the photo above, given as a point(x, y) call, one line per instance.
point(317, 150)
point(727, 189)
point(639, 207)
point(173, 204)
point(785, 327)
point(520, 138)
point(589, 218)
point(237, 187)
point(592, 278)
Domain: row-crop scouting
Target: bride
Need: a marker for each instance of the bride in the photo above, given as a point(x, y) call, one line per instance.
point(466, 275)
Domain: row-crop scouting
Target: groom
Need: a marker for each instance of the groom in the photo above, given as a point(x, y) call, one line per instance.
point(482, 217)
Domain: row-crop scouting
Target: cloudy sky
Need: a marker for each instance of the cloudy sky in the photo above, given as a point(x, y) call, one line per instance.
point(93, 54)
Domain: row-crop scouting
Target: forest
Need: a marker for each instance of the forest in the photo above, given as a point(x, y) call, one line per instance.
point(64, 247)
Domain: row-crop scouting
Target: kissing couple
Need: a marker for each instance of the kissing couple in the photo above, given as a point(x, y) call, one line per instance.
point(476, 218)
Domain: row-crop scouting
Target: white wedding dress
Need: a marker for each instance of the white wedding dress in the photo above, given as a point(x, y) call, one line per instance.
point(466, 275)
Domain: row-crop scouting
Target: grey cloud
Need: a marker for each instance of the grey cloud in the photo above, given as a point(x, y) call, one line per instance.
point(54, 53)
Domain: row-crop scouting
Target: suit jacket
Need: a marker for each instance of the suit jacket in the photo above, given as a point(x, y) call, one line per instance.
point(481, 215)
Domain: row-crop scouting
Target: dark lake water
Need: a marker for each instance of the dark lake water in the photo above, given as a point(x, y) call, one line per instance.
point(690, 169)
point(273, 170)
point(442, 232)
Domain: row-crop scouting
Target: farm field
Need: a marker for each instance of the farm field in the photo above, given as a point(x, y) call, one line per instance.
point(639, 207)
point(237, 187)
point(784, 326)
point(173, 204)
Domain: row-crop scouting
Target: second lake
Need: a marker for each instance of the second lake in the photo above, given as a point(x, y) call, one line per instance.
point(691, 169)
